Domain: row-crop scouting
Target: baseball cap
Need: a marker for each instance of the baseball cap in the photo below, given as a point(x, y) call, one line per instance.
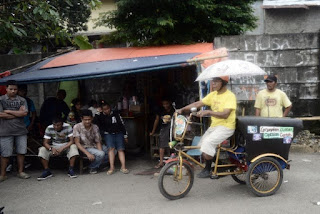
point(271, 78)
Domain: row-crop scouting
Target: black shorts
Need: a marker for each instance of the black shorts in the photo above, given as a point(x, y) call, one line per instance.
point(164, 137)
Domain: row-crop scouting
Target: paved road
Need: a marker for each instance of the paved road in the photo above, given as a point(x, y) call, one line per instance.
point(131, 193)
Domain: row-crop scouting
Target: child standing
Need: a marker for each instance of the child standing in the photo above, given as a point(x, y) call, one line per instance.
point(112, 126)
point(165, 115)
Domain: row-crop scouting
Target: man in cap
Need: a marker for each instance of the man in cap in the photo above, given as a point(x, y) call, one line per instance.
point(271, 101)
point(223, 104)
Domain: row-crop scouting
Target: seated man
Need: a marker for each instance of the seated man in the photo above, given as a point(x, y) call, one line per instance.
point(58, 140)
point(223, 105)
point(88, 140)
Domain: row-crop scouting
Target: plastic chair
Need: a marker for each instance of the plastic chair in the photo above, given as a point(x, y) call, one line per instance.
point(195, 152)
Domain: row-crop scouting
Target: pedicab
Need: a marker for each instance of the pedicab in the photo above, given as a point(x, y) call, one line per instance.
point(255, 156)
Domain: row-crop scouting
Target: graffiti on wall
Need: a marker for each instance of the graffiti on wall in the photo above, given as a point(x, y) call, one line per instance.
point(279, 42)
point(294, 58)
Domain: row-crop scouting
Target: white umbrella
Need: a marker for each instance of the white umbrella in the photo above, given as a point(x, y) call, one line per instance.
point(234, 68)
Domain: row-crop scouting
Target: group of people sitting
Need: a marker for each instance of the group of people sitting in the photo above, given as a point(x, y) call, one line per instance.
point(85, 137)
point(61, 138)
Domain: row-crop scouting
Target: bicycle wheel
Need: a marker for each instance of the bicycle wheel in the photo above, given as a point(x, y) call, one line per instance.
point(264, 176)
point(169, 183)
point(239, 178)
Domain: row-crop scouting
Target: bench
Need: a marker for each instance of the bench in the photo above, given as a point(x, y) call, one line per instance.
point(82, 157)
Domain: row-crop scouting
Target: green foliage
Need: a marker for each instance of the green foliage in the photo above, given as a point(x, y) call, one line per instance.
point(24, 23)
point(82, 42)
point(154, 22)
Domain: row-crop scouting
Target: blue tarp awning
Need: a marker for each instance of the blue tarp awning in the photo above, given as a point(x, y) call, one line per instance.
point(83, 64)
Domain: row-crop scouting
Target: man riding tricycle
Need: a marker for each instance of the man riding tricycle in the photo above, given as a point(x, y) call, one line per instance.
point(256, 155)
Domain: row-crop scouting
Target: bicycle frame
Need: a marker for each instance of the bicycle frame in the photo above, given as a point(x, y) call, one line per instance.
point(184, 157)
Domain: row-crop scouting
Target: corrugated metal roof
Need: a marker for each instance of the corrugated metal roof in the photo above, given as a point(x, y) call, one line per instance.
point(105, 54)
point(109, 61)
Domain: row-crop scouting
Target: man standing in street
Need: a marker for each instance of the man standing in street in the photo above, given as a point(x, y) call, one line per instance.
point(271, 101)
point(88, 140)
point(13, 109)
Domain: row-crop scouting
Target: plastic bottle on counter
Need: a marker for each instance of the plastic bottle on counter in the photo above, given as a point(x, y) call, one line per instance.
point(119, 106)
point(131, 102)
point(134, 100)
point(125, 110)
point(125, 103)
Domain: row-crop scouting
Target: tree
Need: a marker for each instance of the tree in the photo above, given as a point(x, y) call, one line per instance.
point(24, 23)
point(154, 22)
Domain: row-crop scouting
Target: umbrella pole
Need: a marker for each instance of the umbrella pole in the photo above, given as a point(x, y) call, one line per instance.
point(199, 70)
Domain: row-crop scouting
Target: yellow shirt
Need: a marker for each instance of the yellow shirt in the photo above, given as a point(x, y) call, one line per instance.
point(271, 103)
point(219, 102)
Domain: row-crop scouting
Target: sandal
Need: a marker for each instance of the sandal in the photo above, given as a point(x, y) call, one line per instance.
point(124, 171)
point(158, 166)
point(110, 172)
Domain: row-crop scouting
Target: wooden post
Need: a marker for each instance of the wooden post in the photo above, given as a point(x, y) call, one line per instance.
point(146, 113)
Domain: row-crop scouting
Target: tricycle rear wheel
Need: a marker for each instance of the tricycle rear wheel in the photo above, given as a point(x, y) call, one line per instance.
point(264, 176)
point(169, 183)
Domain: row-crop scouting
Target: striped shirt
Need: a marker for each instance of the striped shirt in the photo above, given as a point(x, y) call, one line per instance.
point(60, 137)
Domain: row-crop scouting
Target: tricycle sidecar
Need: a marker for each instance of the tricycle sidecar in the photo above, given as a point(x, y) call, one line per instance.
point(266, 143)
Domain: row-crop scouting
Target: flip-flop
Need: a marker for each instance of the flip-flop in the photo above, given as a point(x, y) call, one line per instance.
point(110, 172)
point(158, 166)
point(124, 171)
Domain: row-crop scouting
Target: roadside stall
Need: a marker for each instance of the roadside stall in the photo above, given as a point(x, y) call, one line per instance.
point(132, 80)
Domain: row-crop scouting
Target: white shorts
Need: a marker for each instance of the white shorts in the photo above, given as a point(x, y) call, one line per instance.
point(213, 137)
point(46, 154)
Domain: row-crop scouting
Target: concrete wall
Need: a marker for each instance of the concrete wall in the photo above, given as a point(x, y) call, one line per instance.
point(292, 20)
point(259, 13)
point(285, 20)
point(293, 57)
